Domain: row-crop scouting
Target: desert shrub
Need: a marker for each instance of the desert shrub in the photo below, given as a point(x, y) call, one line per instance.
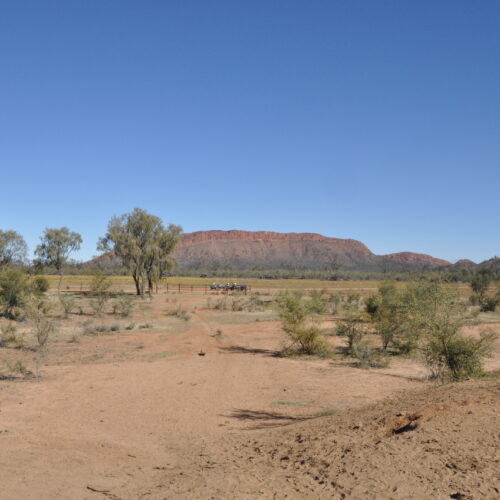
point(352, 328)
point(474, 299)
point(489, 304)
point(369, 356)
point(145, 326)
point(67, 303)
point(317, 302)
point(451, 356)
point(388, 314)
point(352, 300)
point(237, 305)
point(221, 304)
point(18, 367)
point(255, 303)
point(38, 308)
point(130, 326)
point(100, 287)
point(306, 338)
point(40, 285)
point(115, 327)
point(480, 283)
point(13, 292)
point(372, 304)
point(333, 303)
point(179, 312)
point(123, 305)
point(8, 334)
point(43, 327)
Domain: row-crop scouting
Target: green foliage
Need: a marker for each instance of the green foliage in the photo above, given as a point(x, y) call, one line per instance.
point(454, 357)
point(317, 303)
point(40, 285)
point(489, 304)
point(369, 356)
point(179, 312)
point(56, 246)
point(13, 292)
point(480, 283)
point(387, 312)
point(13, 248)
point(67, 303)
point(100, 287)
point(8, 334)
point(143, 244)
point(333, 303)
point(123, 305)
point(295, 314)
point(353, 328)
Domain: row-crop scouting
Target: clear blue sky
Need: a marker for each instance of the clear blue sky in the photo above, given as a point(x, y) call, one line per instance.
point(373, 120)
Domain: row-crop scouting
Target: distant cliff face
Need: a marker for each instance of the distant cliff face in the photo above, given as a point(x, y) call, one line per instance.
point(269, 250)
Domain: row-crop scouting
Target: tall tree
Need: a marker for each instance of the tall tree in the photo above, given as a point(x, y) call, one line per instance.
point(55, 248)
point(13, 248)
point(144, 245)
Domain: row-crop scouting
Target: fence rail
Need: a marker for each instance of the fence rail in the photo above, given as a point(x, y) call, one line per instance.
point(180, 288)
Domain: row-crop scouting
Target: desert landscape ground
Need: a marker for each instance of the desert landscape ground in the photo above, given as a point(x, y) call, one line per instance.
point(185, 400)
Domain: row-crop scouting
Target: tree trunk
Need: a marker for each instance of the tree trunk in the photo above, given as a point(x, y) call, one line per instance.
point(137, 287)
point(60, 281)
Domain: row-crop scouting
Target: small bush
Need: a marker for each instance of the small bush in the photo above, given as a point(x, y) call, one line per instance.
point(368, 356)
point(18, 368)
point(8, 333)
point(100, 287)
point(40, 285)
point(115, 327)
point(123, 305)
point(317, 303)
point(454, 357)
point(489, 304)
point(67, 303)
point(306, 338)
point(179, 312)
point(42, 329)
point(130, 326)
point(13, 292)
point(353, 329)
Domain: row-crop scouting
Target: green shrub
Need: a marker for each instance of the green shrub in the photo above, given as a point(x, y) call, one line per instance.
point(8, 334)
point(13, 292)
point(454, 357)
point(317, 303)
point(100, 287)
point(353, 329)
point(40, 285)
point(306, 338)
point(42, 329)
point(123, 305)
point(67, 303)
point(489, 304)
point(369, 356)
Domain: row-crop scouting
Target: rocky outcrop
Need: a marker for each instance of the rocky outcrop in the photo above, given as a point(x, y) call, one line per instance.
point(270, 250)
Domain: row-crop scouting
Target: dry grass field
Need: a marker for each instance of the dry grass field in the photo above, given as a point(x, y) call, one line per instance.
point(182, 400)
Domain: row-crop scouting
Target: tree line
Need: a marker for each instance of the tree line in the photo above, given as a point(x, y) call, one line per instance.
point(141, 240)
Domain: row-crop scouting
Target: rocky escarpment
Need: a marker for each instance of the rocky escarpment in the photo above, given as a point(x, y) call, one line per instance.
point(270, 250)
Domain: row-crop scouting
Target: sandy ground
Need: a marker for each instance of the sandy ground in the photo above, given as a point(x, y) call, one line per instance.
point(140, 414)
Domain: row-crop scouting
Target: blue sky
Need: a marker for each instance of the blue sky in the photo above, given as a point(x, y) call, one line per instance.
point(373, 120)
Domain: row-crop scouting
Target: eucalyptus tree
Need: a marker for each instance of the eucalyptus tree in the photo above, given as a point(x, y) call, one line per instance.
point(13, 248)
point(55, 248)
point(144, 245)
